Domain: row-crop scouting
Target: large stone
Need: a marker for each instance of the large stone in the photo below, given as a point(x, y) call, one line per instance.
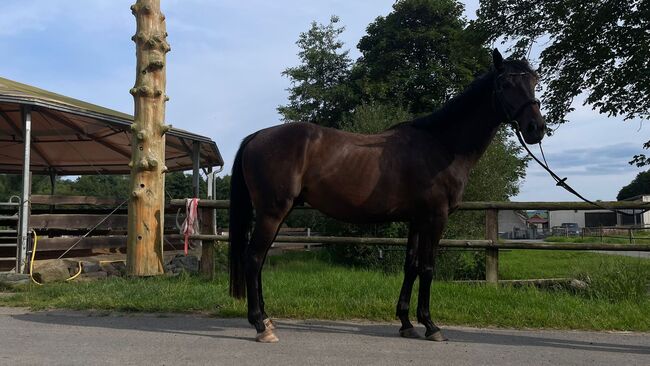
point(110, 269)
point(90, 267)
point(14, 278)
point(188, 263)
point(578, 284)
point(53, 270)
point(120, 266)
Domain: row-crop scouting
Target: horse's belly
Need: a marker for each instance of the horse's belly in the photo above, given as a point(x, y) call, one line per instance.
point(357, 206)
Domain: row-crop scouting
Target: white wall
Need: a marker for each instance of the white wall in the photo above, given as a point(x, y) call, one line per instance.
point(557, 218)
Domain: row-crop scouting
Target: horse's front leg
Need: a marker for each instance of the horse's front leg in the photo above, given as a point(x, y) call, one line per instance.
point(428, 247)
point(410, 274)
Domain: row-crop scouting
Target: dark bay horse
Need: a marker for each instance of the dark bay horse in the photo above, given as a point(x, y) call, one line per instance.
point(415, 172)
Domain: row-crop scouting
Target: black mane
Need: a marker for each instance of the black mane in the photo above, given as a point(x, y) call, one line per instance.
point(472, 95)
point(458, 104)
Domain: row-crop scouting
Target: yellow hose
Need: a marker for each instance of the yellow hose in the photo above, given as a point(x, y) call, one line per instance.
point(31, 263)
point(76, 274)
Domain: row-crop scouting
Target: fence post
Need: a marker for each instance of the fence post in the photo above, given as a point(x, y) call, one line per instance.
point(492, 254)
point(207, 246)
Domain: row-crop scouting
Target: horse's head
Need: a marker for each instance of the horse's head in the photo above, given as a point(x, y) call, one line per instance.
point(514, 91)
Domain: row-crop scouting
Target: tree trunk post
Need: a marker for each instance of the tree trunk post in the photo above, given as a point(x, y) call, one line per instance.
point(492, 254)
point(147, 185)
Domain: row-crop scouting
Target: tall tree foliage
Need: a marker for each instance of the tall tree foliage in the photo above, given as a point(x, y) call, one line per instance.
point(600, 48)
point(319, 91)
point(419, 55)
point(637, 187)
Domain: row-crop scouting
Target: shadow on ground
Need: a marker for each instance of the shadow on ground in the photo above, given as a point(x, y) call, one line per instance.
point(239, 329)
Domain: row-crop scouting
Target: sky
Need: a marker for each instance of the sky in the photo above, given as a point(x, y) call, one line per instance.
point(224, 74)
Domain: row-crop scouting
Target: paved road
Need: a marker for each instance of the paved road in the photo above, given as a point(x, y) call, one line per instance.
point(85, 338)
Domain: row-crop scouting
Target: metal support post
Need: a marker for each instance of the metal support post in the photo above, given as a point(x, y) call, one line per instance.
point(196, 163)
point(23, 233)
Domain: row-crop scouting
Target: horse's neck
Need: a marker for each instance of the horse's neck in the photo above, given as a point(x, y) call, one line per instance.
point(472, 124)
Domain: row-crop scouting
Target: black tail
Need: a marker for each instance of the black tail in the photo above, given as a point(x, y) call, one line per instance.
point(241, 218)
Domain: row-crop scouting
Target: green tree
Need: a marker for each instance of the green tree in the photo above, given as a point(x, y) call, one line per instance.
point(115, 186)
point(640, 185)
point(179, 185)
point(374, 117)
point(419, 55)
point(600, 48)
point(319, 91)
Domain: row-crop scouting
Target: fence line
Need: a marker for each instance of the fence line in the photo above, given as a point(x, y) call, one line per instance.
point(481, 206)
point(490, 244)
point(445, 243)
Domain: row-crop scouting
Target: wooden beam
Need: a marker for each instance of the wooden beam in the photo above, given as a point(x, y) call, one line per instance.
point(41, 199)
point(480, 206)
point(447, 243)
point(87, 221)
point(492, 254)
point(89, 242)
point(73, 221)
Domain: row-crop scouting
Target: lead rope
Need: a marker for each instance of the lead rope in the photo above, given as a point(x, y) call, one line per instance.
point(561, 182)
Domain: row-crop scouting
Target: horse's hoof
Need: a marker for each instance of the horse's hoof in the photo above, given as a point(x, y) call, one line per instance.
point(409, 333)
point(266, 336)
point(268, 323)
point(437, 337)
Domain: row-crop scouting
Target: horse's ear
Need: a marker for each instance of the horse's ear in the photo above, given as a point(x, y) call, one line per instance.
point(497, 59)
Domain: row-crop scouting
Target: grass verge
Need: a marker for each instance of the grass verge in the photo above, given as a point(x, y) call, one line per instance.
point(304, 286)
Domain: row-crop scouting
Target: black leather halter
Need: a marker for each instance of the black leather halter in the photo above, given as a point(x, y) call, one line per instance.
point(499, 97)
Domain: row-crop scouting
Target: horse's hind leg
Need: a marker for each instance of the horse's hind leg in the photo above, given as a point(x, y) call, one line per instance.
point(265, 318)
point(410, 274)
point(266, 227)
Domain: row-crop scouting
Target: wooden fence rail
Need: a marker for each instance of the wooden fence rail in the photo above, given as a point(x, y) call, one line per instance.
point(481, 206)
point(491, 244)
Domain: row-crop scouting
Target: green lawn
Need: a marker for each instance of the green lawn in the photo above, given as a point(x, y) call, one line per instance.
point(303, 286)
point(524, 264)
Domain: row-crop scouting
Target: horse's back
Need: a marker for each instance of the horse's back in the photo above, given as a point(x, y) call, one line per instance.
point(345, 175)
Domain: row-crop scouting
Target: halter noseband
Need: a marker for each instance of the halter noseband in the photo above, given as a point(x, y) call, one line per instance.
point(498, 96)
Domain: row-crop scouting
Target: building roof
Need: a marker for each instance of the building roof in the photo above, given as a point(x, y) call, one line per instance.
point(537, 220)
point(73, 137)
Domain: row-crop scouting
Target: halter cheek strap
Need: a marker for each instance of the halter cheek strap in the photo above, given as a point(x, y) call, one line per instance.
point(498, 96)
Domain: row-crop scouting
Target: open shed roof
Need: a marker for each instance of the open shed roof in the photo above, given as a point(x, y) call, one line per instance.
point(73, 137)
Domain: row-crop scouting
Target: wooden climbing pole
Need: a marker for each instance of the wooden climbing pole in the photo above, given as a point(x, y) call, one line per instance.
point(147, 201)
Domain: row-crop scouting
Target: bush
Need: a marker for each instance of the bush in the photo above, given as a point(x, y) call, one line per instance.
point(460, 265)
point(450, 264)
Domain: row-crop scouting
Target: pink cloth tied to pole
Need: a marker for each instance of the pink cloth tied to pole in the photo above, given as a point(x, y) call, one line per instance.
point(191, 223)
